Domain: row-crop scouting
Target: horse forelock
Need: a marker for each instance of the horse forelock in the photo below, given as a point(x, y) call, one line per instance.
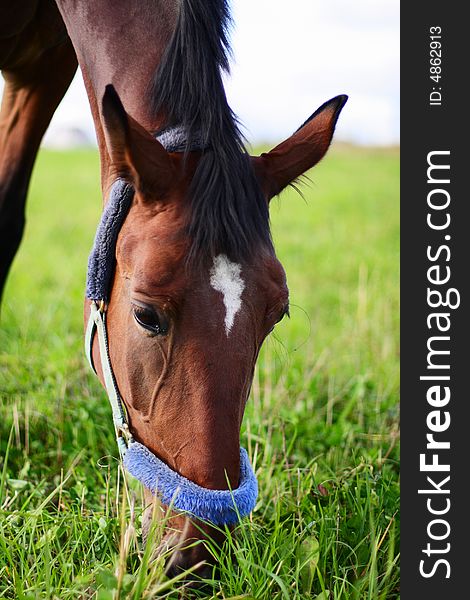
point(229, 213)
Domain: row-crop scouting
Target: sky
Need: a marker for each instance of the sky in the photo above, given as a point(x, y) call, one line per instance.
point(289, 58)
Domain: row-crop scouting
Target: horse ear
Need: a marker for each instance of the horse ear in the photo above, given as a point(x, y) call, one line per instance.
point(133, 151)
point(301, 151)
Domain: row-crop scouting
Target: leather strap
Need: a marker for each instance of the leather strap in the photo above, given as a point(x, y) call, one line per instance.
point(97, 324)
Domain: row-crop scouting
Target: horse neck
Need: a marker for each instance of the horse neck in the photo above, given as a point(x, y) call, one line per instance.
point(119, 42)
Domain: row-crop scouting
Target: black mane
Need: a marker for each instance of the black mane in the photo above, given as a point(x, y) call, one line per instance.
point(229, 213)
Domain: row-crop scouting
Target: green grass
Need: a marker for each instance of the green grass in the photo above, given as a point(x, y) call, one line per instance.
point(321, 426)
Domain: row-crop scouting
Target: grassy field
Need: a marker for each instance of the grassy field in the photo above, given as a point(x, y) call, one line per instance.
point(321, 426)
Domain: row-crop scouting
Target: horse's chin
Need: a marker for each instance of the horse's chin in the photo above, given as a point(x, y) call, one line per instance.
point(179, 547)
point(176, 529)
point(179, 559)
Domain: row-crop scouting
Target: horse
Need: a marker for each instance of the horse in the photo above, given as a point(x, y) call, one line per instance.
point(184, 283)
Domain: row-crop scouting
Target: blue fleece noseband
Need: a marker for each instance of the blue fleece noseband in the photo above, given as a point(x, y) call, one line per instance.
point(216, 506)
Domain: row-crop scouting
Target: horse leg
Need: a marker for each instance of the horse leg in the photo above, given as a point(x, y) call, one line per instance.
point(31, 95)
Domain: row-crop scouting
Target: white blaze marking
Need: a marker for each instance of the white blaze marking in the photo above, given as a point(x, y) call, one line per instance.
point(225, 278)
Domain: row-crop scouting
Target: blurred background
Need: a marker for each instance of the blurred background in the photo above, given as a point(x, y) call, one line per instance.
point(288, 59)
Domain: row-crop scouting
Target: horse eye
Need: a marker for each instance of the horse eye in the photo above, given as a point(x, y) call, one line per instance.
point(150, 320)
point(285, 313)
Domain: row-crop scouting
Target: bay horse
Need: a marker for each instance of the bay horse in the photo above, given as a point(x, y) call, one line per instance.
point(188, 282)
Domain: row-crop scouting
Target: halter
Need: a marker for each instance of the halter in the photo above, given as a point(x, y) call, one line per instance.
point(216, 506)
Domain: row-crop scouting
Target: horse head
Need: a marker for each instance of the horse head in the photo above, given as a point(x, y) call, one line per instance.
point(188, 312)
